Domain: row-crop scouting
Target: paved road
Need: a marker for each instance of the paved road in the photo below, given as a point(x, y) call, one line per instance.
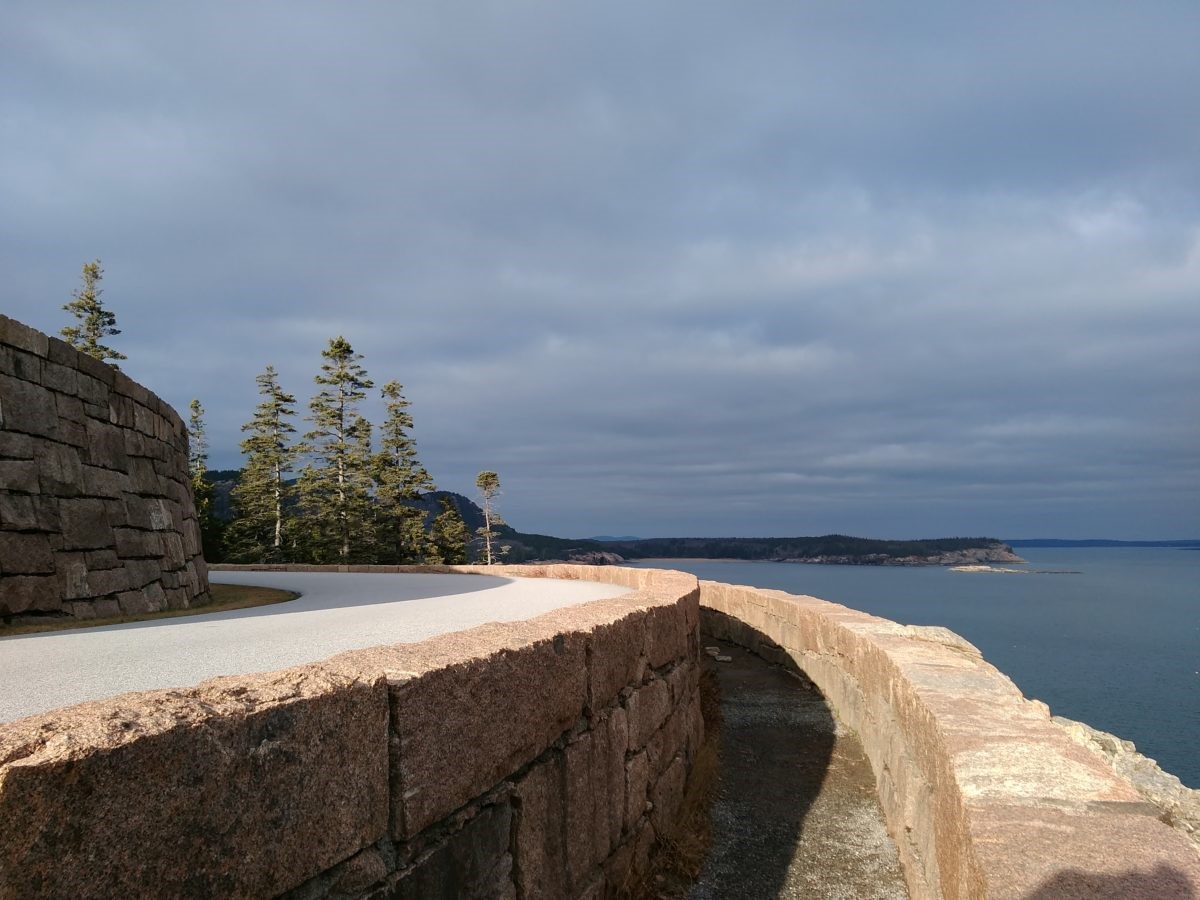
point(336, 612)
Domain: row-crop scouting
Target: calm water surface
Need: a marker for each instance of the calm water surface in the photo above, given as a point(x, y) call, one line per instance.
point(1116, 646)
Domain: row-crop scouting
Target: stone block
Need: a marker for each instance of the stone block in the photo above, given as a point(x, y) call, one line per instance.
point(637, 783)
point(133, 603)
point(17, 513)
point(497, 694)
point(64, 379)
point(173, 555)
point(473, 862)
point(72, 575)
point(107, 607)
point(143, 478)
point(594, 802)
point(25, 593)
point(143, 571)
point(25, 554)
point(62, 353)
point(666, 795)
point(59, 471)
point(85, 524)
point(132, 544)
point(110, 581)
point(106, 446)
point(27, 408)
point(20, 364)
point(156, 597)
point(99, 482)
point(540, 847)
point(101, 371)
point(22, 337)
point(72, 433)
point(15, 446)
point(666, 634)
point(143, 420)
point(70, 408)
point(240, 787)
point(94, 394)
point(101, 559)
point(647, 707)
point(18, 475)
point(616, 651)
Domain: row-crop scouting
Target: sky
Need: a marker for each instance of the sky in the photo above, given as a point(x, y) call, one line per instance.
point(670, 268)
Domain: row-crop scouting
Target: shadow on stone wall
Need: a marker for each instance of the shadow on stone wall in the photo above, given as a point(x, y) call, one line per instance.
point(1162, 883)
point(776, 745)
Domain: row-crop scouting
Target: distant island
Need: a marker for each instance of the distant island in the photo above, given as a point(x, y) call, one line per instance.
point(830, 549)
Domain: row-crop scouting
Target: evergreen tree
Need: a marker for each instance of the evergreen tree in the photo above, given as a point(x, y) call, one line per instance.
point(211, 529)
point(335, 487)
point(449, 535)
point(262, 494)
point(95, 322)
point(399, 480)
point(489, 490)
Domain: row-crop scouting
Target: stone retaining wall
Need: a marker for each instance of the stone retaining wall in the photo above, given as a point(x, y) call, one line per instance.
point(96, 512)
point(984, 795)
point(525, 759)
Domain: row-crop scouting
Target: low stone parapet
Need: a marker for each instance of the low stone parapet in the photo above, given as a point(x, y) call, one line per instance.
point(984, 795)
point(524, 759)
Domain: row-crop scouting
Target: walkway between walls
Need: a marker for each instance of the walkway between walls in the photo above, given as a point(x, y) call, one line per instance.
point(796, 813)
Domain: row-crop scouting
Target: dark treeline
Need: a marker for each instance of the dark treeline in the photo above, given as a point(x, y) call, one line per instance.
point(342, 491)
point(794, 548)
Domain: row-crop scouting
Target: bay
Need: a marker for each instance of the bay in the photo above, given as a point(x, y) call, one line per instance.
point(1116, 645)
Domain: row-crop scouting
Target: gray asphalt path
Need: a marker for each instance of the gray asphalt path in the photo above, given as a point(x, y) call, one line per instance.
point(336, 612)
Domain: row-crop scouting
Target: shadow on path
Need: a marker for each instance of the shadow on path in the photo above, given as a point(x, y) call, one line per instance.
point(796, 813)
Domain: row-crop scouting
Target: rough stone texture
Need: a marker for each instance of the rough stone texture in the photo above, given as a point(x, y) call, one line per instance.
point(93, 474)
point(485, 763)
point(236, 788)
point(983, 794)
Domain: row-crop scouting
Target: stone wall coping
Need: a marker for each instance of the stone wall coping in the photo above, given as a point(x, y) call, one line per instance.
point(983, 793)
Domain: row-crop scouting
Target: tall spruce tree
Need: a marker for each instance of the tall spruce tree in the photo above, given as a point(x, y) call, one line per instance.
point(449, 535)
point(399, 480)
point(488, 484)
point(211, 528)
point(95, 322)
point(261, 497)
point(335, 487)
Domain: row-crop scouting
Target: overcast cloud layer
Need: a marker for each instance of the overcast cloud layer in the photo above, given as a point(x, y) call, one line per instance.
point(670, 268)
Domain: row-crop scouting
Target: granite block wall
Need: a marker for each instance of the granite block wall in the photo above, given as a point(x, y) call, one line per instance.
point(96, 512)
point(536, 759)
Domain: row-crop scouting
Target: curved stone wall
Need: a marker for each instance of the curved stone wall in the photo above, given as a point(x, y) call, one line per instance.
point(525, 759)
point(983, 793)
point(96, 512)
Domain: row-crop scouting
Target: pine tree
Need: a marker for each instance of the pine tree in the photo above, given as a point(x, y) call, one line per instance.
point(261, 496)
point(211, 529)
point(335, 487)
point(449, 535)
point(489, 490)
point(399, 480)
point(95, 322)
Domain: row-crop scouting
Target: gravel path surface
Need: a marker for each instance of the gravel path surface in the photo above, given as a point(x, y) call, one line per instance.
point(336, 612)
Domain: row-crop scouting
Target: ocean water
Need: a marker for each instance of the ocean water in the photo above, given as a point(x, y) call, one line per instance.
point(1116, 646)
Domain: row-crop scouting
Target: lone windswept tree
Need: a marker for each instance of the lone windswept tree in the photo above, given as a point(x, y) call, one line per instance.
point(449, 535)
point(262, 493)
point(488, 484)
point(202, 491)
point(95, 322)
point(335, 487)
point(399, 480)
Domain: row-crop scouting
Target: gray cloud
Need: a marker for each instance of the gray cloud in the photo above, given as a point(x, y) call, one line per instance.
point(704, 268)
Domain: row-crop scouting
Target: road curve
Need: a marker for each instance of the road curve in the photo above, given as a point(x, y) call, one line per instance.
point(335, 612)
